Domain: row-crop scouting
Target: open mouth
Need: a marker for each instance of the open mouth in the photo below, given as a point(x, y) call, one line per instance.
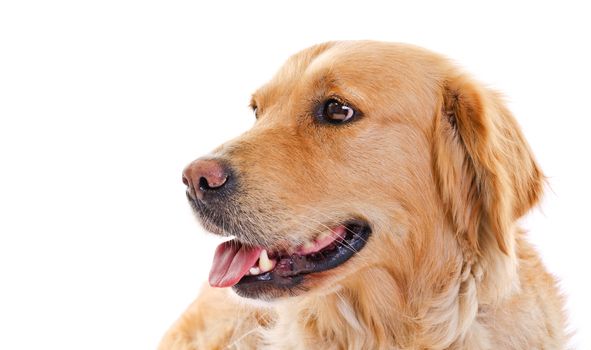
point(248, 268)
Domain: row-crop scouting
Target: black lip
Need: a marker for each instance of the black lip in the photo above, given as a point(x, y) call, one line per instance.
point(290, 270)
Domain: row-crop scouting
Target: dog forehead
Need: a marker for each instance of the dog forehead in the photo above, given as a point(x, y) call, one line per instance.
point(377, 61)
point(397, 80)
point(331, 61)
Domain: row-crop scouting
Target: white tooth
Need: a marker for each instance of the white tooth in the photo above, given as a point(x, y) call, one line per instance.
point(254, 271)
point(308, 245)
point(323, 235)
point(265, 264)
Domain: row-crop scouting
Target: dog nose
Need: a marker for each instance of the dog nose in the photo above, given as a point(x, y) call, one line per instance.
point(205, 177)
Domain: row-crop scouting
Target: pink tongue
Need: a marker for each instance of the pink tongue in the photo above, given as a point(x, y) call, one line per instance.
point(231, 262)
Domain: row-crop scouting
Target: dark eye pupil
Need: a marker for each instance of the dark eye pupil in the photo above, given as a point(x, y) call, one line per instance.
point(338, 112)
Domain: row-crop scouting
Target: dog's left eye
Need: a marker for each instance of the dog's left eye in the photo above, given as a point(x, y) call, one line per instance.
point(336, 112)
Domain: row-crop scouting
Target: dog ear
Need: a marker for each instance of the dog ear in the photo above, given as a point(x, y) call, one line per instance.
point(486, 172)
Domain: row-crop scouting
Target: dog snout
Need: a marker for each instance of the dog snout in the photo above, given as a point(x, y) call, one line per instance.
point(207, 179)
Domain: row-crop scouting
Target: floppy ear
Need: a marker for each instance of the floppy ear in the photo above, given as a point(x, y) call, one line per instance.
point(487, 175)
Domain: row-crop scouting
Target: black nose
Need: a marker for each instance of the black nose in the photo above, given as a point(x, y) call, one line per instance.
point(206, 179)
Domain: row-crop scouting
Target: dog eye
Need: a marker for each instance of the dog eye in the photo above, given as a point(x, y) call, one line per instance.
point(337, 112)
point(255, 111)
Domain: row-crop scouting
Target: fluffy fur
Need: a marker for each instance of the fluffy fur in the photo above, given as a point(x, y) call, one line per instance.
point(439, 168)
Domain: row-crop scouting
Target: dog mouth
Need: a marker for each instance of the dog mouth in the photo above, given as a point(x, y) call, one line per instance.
point(251, 270)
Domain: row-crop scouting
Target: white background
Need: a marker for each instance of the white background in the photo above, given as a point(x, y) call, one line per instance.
point(102, 103)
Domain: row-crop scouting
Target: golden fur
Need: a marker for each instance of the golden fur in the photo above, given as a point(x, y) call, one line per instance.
point(440, 169)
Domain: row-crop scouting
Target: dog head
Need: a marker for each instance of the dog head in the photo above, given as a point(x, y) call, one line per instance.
point(365, 158)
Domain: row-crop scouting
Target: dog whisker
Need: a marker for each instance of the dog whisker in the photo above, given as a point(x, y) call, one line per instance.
point(348, 246)
point(328, 217)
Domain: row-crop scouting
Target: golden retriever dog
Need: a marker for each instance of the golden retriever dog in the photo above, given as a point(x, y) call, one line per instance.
point(373, 205)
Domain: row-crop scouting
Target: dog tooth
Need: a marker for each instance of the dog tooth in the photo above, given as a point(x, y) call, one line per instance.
point(308, 245)
point(323, 235)
point(265, 264)
point(254, 270)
